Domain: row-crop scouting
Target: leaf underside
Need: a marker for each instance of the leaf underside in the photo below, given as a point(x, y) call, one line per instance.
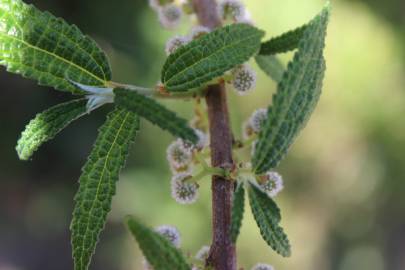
point(155, 113)
point(44, 48)
point(238, 208)
point(271, 65)
point(295, 99)
point(267, 216)
point(46, 125)
point(286, 42)
point(97, 183)
point(210, 56)
point(158, 251)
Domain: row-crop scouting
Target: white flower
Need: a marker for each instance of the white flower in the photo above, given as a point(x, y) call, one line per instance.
point(97, 96)
point(203, 253)
point(170, 16)
point(198, 31)
point(170, 233)
point(244, 79)
point(174, 43)
point(179, 155)
point(257, 119)
point(231, 9)
point(262, 266)
point(182, 191)
point(272, 183)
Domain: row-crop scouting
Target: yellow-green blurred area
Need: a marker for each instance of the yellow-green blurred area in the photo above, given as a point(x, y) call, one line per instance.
point(343, 205)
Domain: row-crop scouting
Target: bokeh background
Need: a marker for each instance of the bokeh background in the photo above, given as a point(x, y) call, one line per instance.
point(344, 200)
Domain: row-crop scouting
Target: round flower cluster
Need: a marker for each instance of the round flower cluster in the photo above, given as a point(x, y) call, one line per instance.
point(175, 42)
point(255, 123)
point(271, 183)
point(169, 13)
point(203, 253)
point(232, 10)
point(179, 156)
point(244, 79)
point(183, 191)
point(262, 266)
point(198, 31)
point(170, 233)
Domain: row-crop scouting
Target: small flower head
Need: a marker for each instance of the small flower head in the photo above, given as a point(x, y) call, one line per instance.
point(174, 43)
point(170, 233)
point(179, 155)
point(257, 119)
point(272, 183)
point(262, 266)
point(198, 31)
point(170, 16)
point(184, 192)
point(203, 253)
point(231, 9)
point(96, 96)
point(202, 139)
point(244, 79)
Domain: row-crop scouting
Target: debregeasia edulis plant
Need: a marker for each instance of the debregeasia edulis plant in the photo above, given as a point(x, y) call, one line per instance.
point(42, 47)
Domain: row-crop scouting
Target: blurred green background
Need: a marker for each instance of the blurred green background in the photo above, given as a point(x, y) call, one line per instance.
point(344, 200)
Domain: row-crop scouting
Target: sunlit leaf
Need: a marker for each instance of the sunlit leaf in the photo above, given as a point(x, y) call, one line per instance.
point(97, 183)
point(155, 113)
point(267, 216)
point(39, 46)
point(296, 97)
point(158, 251)
point(210, 56)
point(46, 125)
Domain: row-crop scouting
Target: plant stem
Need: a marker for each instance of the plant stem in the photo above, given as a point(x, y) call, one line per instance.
point(222, 254)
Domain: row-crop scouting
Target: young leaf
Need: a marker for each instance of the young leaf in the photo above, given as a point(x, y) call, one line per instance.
point(286, 42)
point(46, 125)
point(296, 97)
point(237, 211)
point(155, 113)
point(271, 65)
point(159, 252)
point(210, 56)
point(267, 216)
point(39, 46)
point(97, 183)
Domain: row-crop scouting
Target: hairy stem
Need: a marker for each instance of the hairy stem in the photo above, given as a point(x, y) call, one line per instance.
point(222, 254)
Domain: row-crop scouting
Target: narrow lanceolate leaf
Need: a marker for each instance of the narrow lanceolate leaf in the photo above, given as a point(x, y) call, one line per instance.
point(39, 46)
point(286, 42)
point(296, 97)
point(155, 113)
point(158, 251)
point(238, 209)
point(271, 65)
point(46, 125)
point(97, 183)
point(267, 216)
point(210, 56)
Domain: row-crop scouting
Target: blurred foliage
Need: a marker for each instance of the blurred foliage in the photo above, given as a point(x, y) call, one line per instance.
point(343, 205)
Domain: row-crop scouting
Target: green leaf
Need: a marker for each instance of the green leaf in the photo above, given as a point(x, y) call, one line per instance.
point(271, 65)
point(267, 216)
point(210, 56)
point(39, 46)
point(238, 209)
point(296, 97)
point(46, 125)
point(286, 42)
point(155, 113)
point(159, 252)
point(97, 183)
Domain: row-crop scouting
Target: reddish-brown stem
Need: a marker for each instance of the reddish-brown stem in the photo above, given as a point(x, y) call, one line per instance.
point(222, 254)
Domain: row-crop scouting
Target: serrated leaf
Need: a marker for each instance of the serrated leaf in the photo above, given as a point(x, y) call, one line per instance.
point(155, 113)
point(39, 46)
point(296, 97)
point(271, 65)
point(97, 183)
point(267, 216)
point(46, 125)
point(286, 42)
point(158, 251)
point(210, 56)
point(238, 208)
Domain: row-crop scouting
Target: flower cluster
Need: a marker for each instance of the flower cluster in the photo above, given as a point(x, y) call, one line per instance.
point(183, 191)
point(232, 10)
point(177, 41)
point(271, 183)
point(203, 253)
point(170, 14)
point(244, 79)
point(262, 266)
point(255, 123)
point(170, 233)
